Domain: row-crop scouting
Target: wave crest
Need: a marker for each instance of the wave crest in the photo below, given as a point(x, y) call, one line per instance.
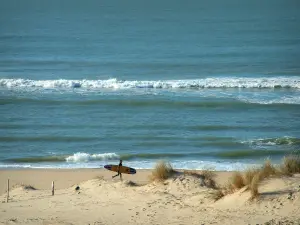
point(289, 141)
point(224, 82)
point(85, 157)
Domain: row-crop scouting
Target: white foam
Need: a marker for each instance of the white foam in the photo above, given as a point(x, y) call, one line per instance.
point(85, 157)
point(217, 82)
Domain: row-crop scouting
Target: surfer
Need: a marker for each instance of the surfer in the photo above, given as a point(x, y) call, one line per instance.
point(119, 174)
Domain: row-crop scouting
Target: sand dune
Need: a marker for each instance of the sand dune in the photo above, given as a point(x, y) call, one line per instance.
point(182, 199)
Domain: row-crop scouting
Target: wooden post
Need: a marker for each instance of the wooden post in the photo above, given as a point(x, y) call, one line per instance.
point(7, 190)
point(52, 187)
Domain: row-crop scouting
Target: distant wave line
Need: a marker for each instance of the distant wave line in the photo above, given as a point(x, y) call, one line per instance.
point(213, 82)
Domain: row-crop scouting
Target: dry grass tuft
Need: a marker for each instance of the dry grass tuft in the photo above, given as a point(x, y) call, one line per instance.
point(268, 170)
point(228, 188)
point(193, 173)
point(217, 194)
point(254, 186)
point(290, 165)
point(162, 171)
point(237, 180)
point(207, 176)
point(253, 176)
point(249, 174)
point(210, 183)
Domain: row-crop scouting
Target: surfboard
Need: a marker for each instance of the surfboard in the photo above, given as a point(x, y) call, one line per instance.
point(123, 169)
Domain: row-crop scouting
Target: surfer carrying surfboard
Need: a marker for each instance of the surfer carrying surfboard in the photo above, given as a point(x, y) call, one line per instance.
point(119, 174)
point(120, 169)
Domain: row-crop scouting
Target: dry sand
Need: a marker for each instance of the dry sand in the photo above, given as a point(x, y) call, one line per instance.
point(102, 200)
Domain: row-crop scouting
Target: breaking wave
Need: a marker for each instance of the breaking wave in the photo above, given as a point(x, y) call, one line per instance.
point(224, 82)
point(288, 141)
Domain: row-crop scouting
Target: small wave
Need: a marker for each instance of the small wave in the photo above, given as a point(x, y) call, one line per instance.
point(85, 157)
point(224, 82)
point(290, 141)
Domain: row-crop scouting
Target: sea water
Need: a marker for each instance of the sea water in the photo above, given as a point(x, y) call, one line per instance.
point(202, 84)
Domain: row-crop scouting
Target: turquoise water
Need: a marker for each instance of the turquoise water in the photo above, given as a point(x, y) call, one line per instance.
point(201, 84)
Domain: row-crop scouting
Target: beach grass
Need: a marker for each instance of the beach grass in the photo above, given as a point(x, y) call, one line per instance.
point(252, 176)
point(206, 175)
point(254, 186)
point(290, 165)
point(217, 194)
point(237, 180)
point(268, 170)
point(162, 171)
point(249, 173)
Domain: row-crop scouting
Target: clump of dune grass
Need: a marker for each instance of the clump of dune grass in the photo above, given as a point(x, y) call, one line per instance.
point(290, 165)
point(268, 170)
point(237, 180)
point(217, 194)
point(193, 173)
point(254, 186)
point(249, 173)
point(251, 177)
point(162, 171)
point(207, 176)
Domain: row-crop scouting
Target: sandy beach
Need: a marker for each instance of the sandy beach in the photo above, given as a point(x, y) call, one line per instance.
point(182, 199)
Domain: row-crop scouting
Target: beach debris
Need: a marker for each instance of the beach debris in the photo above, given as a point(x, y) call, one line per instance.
point(13, 219)
point(53, 188)
point(77, 188)
point(290, 196)
point(28, 187)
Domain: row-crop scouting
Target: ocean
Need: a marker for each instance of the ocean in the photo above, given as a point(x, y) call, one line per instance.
point(201, 84)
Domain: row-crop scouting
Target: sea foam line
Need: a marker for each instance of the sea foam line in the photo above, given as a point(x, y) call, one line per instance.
point(223, 82)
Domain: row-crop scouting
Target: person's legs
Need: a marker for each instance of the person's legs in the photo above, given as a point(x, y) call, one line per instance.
point(121, 177)
point(116, 175)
